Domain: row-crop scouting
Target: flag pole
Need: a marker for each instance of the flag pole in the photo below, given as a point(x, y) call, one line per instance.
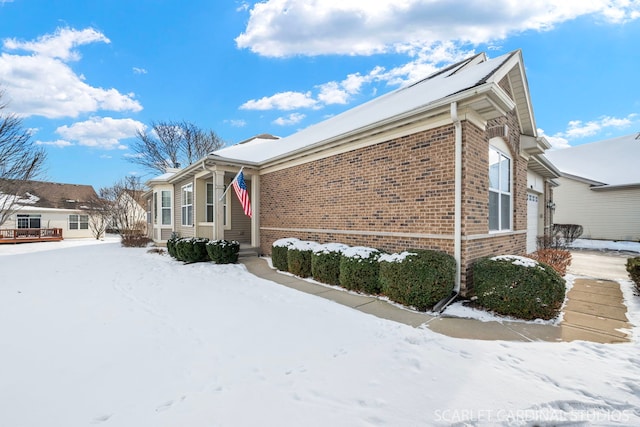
point(231, 183)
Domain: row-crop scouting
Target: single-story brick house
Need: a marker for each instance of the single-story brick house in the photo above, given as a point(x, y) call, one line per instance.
point(600, 188)
point(50, 205)
point(452, 162)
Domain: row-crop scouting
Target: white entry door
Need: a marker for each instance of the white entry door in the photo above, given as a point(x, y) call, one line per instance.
point(532, 222)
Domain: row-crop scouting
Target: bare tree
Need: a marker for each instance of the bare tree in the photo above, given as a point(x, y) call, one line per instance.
point(128, 214)
point(20, 161)
point(170, 144)
point(101, 212)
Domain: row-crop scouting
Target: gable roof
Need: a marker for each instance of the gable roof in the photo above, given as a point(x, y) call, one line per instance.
point(611, 162)
point(464, 80)
point(53, 195)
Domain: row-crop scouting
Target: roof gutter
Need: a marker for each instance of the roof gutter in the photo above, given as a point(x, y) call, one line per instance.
point(457, 225)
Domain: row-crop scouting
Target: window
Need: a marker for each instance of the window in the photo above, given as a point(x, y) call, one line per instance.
point(209, 203)
point(155, 207)
point(166, 208)
point(78, 222)
point(187, 204)
point(499, 191)
point(29, 221)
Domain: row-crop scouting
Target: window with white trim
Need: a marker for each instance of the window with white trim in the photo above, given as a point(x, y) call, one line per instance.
point(29, 221)
point(210, 205)
point(499, 190)
point(187, 204)
point(78, 222)
point(166, 207)
point(155, 207)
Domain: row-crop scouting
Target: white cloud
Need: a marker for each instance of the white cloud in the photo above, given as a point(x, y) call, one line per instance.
point(58, 45)
point(281, 101)
point(60, 143)
point(236, 123)
point(577, 129)
point(138, 70)
point(43, 84)
point(101, 132)
point(280, 28)
point(291, 119)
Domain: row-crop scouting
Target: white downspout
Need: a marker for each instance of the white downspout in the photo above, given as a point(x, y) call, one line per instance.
point(457, 222)
point(457, 227)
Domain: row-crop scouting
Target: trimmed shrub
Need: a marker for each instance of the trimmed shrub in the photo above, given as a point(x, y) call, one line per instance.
point(299, 258)
point(325, 263)
point(279, 250)
point(223, 251)
point(633, 267)
point(519, 287)
point(556, 258)
point(171, 245)
point(192, 249)
point(359, 269)
point(419, 278)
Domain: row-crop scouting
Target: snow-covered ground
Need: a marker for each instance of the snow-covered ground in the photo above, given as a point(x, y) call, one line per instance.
point(95, 334)
point(606, 245)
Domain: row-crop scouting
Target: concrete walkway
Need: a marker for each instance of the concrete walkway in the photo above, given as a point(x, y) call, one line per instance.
point(595, 311)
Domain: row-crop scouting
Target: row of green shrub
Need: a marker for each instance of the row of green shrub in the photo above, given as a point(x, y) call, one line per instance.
point(633, 267)
point(418, 279)
point(197, 249)
point(508, 285)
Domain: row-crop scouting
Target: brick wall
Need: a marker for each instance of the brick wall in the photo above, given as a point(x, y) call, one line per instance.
point(406, 186)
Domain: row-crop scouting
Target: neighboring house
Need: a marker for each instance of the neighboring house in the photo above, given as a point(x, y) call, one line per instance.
point(130, 213)
point(452, 162)
point(49, 205)
point(600, 188)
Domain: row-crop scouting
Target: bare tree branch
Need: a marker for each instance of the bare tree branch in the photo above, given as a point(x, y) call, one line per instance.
point(20, 161)
point(172, 144)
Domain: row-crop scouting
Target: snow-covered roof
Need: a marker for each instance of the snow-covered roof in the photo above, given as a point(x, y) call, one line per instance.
point(457, 78)
point(611, 162)
point(49, 195)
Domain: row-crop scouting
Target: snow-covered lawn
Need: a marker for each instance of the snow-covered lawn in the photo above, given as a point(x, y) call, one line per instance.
point(96, 334)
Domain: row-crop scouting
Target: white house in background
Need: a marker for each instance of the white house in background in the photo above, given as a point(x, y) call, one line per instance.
point(50, 205)
point(600, 188)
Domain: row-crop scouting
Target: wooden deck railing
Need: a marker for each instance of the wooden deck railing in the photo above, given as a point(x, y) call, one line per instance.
point(20, 235)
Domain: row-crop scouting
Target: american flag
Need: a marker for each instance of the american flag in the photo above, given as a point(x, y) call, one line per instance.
point(240, 188)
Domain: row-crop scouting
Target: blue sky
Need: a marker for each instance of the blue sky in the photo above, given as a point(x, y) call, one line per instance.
point(86, 74)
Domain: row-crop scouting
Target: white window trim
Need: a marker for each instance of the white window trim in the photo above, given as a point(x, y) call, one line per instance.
point(188, 188)
point(78, 222)
point(170, 208)
point(504, 152)
point(227, 211)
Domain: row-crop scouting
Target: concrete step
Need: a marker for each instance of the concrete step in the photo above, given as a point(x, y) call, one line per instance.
point(248, 251)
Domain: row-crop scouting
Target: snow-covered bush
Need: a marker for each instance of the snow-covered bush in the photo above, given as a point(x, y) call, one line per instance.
point(633, 267)
point(359, 269)
point(325, 263)
point(279, 250)
point(299, 258)
point(556, 258)
point(192, 249)
point(518, 286)
point(171, 245)
point(419, 278)
point(223, 251)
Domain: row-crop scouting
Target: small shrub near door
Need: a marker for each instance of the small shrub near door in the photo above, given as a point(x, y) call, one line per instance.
point(556, 258)
point(325, 263)
point(359, 269)
point(299, 258)
point(279, 250)
point(223, 251)
point(519, 287)
point(171, 245)
point(192, 249)
point(633, 267)
point(419, 278)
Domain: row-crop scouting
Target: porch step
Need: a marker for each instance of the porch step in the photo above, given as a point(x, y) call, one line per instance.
point(248, 251)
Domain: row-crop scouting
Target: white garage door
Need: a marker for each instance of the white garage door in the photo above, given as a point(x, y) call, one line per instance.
point(532, 222)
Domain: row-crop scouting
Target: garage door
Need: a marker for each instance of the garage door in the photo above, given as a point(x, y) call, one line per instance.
point(532, 222)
